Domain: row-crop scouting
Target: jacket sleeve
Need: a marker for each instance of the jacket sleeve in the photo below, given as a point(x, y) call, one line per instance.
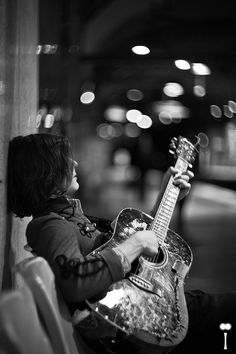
point(79, 277)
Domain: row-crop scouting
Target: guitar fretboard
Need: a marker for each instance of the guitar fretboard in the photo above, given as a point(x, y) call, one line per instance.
point(164, 213)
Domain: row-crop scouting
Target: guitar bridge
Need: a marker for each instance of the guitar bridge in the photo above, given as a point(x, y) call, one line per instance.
point(141, 283)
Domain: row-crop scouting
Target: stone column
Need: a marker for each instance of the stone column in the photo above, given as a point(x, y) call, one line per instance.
point(18, 107)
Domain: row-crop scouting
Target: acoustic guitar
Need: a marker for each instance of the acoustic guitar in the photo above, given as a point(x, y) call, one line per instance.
point(149, 305)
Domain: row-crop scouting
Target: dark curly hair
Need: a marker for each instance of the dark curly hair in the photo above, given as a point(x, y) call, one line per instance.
point(40, 166)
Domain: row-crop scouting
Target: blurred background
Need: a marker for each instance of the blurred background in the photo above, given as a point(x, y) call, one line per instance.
point(122, 77)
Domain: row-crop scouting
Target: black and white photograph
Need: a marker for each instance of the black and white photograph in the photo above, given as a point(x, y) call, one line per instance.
point(117, 177)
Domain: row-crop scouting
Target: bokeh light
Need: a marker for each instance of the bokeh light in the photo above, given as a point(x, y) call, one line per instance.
point(144, 122)
point(134, 95)
point(140, 50)
point(87, 97)
point(182, 64)
point(133, 115)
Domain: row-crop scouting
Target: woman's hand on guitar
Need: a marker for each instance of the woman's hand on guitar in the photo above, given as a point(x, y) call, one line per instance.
point(182, 181)
point(141, 242)
point(148, 241)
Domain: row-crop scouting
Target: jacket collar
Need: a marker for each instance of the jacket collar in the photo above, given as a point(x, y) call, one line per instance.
point(63, 206)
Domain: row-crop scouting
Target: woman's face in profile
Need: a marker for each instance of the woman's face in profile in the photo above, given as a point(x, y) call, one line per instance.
point(74, 186)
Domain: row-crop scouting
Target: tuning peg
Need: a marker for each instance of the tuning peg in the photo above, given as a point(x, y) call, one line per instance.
point(172, 152)
point(190, 165)
point(197, 144)
point(174, 141)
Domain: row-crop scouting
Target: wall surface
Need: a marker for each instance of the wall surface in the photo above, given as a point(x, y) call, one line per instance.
point(18, 107)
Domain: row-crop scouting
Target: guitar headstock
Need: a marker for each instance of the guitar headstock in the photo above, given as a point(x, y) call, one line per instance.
point(181, 147)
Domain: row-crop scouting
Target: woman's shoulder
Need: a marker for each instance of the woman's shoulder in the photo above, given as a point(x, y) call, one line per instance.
point(49, 234)
point(47, 220)
point(50, 228)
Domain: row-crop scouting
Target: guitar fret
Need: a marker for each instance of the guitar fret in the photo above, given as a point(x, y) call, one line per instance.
point(168, 202)
point(159, 227)
point(162, 227)
point(166, 210)
point(160, 231)
point(163, 217)
point(163, 221)
point(169, 199)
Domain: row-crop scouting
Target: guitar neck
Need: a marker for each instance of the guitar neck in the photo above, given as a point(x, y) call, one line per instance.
point(165, 210)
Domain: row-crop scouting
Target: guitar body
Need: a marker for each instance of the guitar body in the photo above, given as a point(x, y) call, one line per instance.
point(149, 304)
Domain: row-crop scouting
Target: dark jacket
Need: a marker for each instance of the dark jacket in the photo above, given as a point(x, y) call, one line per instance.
point(63, 229)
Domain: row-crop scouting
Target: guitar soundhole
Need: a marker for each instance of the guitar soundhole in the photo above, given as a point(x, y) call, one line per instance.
point(159, 259)
point(160, 256)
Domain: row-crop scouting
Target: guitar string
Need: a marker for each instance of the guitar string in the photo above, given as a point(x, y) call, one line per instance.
point(158, 224)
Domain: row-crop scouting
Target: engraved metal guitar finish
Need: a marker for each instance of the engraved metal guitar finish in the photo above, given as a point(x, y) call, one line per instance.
point(149, 305)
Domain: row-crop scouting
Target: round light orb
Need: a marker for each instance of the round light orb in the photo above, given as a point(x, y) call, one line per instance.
point(140, 50)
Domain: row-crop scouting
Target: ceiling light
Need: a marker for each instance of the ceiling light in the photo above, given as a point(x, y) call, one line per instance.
point(227, 111)
point(173, 89)
point(115, 114)
point(133, 115)
point(200, 69)
point(232, 106)
point(132, 130)
point(172, 108)
point(118, 129)
point(144, 122)
point(48, 49)
point(122, 157)
point(199, 90)
point(49, 121)
point(215, 111)
point(39, 49)
point(165, 117)
point(87, 97)
point(182, 64)
point(105, 131)
point(204, 140)
point(141, 50)
point(134, 95)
